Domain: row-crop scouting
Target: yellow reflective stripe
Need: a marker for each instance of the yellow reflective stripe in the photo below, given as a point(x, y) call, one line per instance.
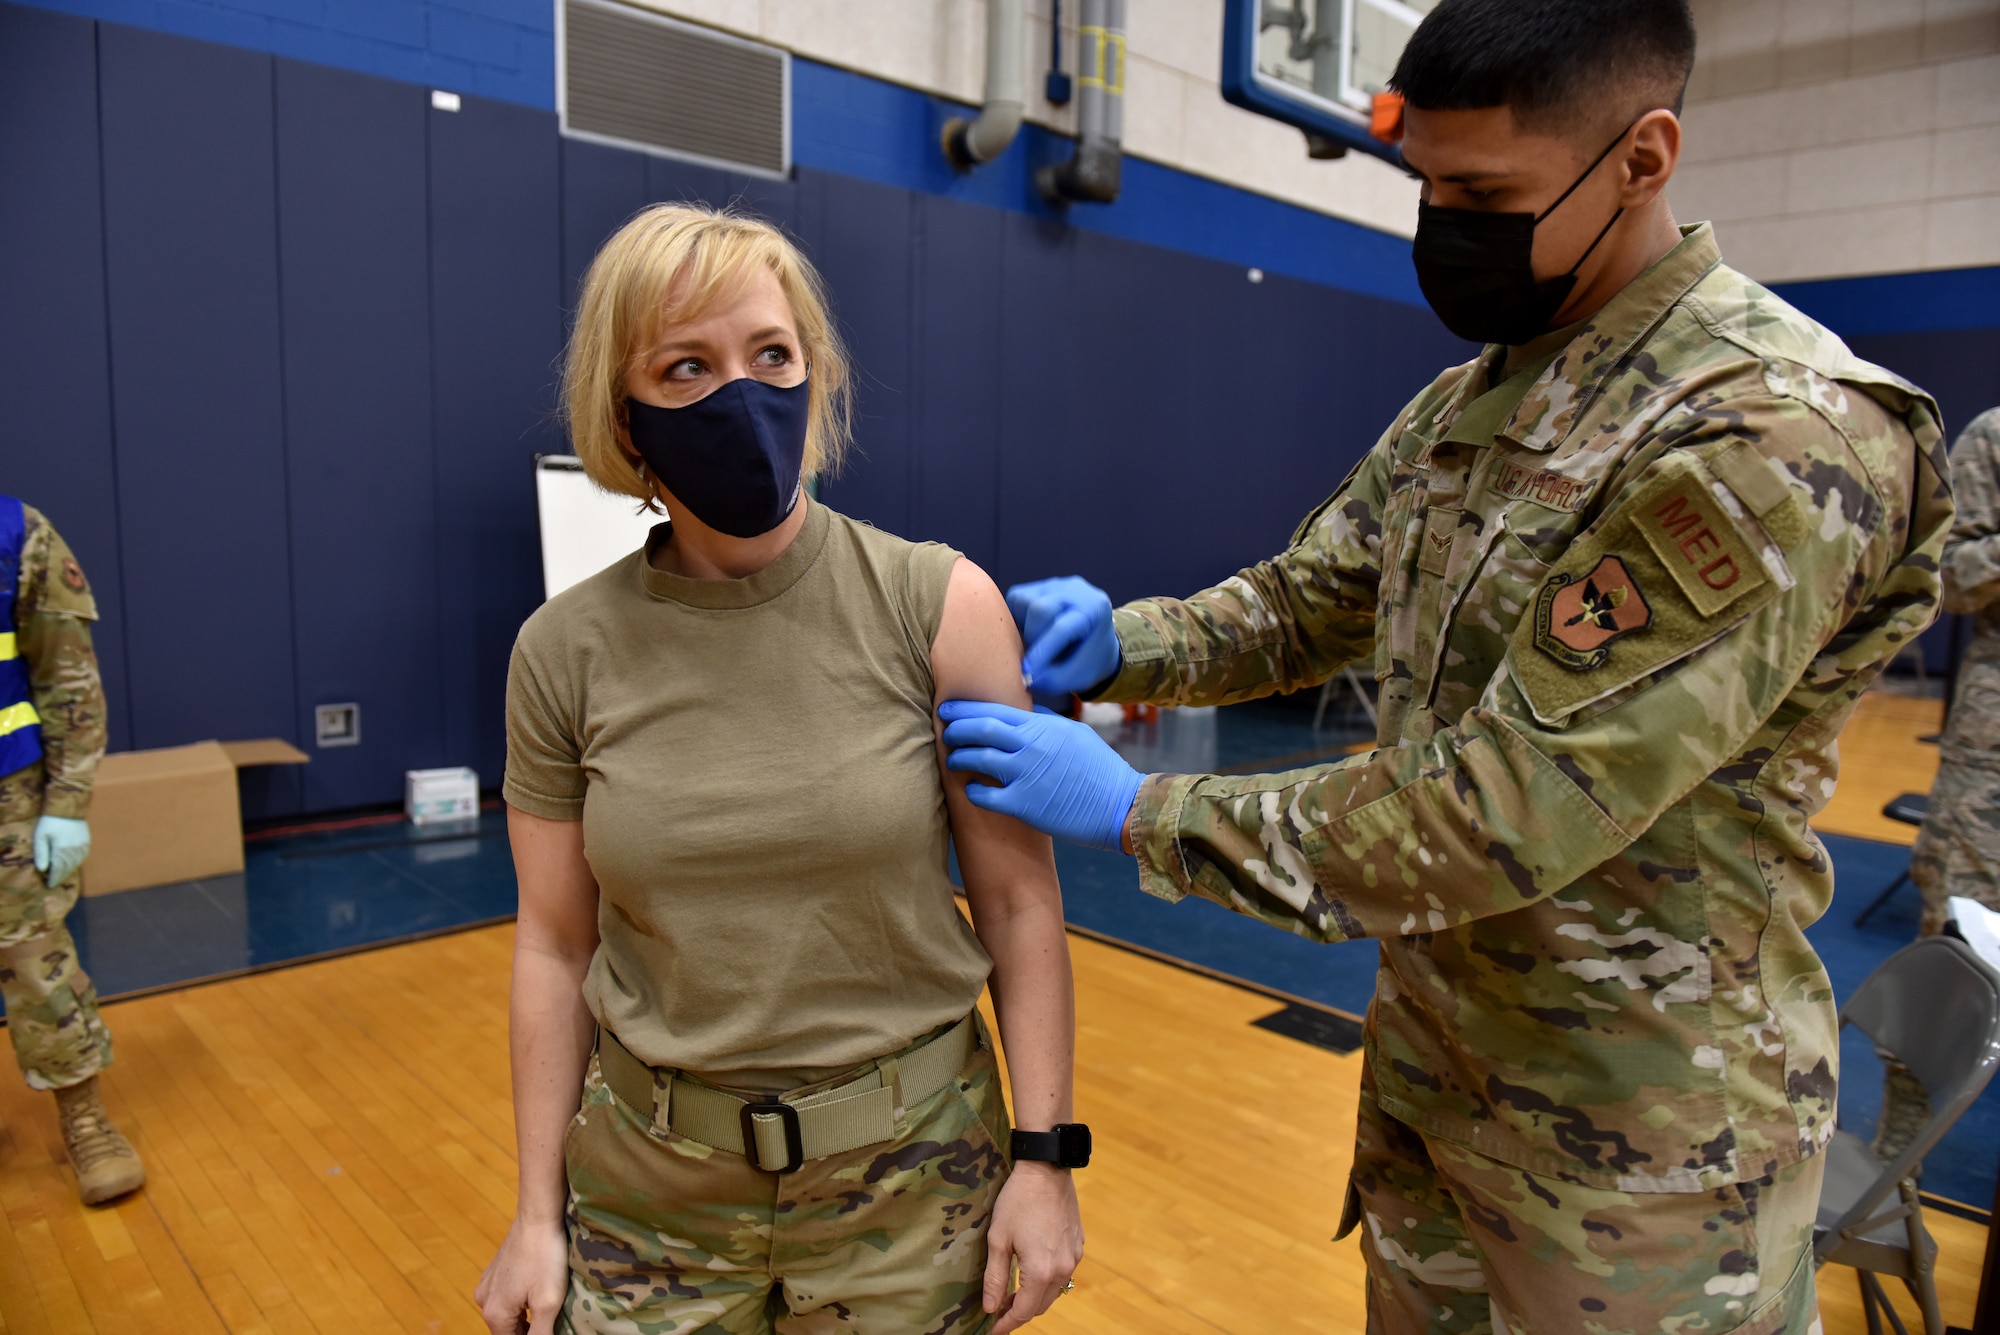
point(16, 717)
point(7, 649)
point(1104, 55)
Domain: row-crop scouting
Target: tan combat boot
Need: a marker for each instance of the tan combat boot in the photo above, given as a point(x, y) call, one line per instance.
point(105, 1162)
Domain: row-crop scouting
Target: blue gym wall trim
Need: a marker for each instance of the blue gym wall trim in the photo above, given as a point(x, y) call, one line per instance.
point(878, 131)
point(504, 49)
point(842, 122)
point(1936, 300)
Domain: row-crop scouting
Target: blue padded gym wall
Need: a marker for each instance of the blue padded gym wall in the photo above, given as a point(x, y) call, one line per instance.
point(496, 332)
point(353, 219)
point(55, 434)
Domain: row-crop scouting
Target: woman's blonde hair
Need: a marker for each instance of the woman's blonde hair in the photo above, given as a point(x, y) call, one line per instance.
point(695, 256)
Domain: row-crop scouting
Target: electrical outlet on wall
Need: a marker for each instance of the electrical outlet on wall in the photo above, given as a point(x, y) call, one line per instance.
point(337, 725)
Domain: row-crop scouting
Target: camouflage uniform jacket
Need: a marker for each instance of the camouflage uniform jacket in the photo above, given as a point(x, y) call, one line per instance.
point(1616, 638)
point(1972, 587)
point(53, 610)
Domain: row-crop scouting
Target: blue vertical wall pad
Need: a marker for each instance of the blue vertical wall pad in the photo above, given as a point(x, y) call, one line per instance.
point(277, 341)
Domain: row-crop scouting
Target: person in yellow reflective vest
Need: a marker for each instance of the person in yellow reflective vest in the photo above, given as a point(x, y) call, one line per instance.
point(51, 738)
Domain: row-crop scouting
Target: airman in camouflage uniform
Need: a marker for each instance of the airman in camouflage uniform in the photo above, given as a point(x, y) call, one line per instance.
point(1958, 850)
point(58, 1037)
point(1618, 616)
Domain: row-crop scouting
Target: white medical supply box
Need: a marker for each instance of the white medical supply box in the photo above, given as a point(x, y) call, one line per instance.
point(432, 795)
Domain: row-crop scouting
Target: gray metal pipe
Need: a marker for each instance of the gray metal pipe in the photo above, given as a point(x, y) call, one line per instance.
point(967, 143)
point(1326, 43)
point(1092, 173)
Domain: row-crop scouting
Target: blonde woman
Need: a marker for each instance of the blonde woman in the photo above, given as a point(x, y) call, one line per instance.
point(751, 1090)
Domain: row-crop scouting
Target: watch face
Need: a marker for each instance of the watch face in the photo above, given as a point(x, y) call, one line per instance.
point(1073, 1145)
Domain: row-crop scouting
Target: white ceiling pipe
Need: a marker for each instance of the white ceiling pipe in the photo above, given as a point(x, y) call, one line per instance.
point(969, 143)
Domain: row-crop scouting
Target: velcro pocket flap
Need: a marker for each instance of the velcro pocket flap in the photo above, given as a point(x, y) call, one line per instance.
point(1666, 573)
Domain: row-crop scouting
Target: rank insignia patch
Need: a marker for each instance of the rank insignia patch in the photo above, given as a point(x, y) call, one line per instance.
point(1577, 619)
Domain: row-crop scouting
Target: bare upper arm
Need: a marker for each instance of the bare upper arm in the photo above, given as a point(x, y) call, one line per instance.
point(977, 652)
point(558, 892)
point(977, 656)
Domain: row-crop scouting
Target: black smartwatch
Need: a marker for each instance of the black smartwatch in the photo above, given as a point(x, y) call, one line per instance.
point(1067, 1145)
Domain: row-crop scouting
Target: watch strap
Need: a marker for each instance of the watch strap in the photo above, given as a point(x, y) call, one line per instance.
point(1066, 1146)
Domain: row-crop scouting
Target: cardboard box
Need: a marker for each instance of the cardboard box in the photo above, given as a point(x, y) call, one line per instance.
point(432, 795)
point(169, 815)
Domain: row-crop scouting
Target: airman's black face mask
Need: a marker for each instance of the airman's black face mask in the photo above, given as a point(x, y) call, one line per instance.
point(1477, 269)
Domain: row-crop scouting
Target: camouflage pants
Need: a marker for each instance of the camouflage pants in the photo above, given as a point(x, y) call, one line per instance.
point(1458, 1243)
point(670, 1237)
point(1958, 850)
point(51, 1006)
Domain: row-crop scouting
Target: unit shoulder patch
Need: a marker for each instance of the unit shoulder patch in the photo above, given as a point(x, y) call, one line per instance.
point(1578, 618)
point(1666, 572)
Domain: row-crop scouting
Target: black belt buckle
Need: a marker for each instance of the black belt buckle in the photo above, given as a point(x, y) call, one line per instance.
point(795, 1145)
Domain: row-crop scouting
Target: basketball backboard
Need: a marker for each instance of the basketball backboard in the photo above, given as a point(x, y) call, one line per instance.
point(1317, 64)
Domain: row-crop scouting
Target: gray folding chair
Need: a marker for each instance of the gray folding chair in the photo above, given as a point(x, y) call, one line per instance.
point(1935, 1007)
point(1347, 678)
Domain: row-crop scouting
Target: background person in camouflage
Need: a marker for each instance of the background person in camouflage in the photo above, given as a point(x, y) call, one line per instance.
point(59, 1039)
point(1622, 582)
point(1958, 850)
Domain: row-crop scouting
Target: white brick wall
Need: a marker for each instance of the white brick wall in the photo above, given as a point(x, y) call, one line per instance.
point(1174, 112)
point(1835, 137)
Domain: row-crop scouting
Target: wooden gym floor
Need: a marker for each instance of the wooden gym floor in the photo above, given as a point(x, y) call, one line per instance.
point(331, 1146)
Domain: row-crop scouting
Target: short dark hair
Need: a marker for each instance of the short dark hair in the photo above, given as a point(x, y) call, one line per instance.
point(1558, 64)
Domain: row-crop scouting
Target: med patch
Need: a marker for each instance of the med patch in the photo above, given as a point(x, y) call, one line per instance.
point(1702, 550)
point(1577, 619)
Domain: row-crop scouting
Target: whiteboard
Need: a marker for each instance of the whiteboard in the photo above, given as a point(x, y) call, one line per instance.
point(584, 528)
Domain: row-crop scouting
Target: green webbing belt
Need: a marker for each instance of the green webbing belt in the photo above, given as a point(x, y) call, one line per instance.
point(854, 1113)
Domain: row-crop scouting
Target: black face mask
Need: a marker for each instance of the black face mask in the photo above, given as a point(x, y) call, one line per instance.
point(732, 458)
point(1477, 269)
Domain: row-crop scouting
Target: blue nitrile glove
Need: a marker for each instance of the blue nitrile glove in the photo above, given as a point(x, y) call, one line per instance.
point(61, 845)
point(1066, 625)
point(1055, 774)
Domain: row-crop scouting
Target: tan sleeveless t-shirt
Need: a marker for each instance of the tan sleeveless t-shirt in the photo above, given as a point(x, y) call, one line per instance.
point(757, 777)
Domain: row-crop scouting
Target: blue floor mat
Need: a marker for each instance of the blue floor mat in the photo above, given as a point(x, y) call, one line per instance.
point(1101, 894)
point(298, 896)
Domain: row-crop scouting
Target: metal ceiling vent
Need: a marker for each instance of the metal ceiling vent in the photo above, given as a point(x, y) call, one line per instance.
point(641, 80)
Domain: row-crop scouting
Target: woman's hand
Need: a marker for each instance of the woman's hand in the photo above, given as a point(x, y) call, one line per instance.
point(1035, 1220)
point(527, 1278)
